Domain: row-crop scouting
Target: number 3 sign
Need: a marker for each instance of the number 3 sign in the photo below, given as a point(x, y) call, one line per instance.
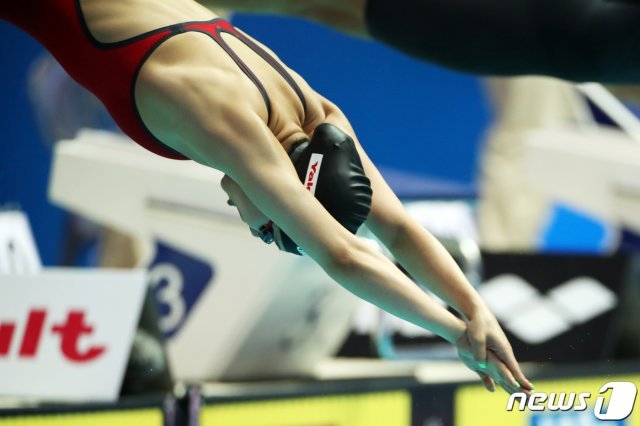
point(177, 280)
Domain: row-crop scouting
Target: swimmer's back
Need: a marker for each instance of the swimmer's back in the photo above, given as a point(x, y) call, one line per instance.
point(72, 29)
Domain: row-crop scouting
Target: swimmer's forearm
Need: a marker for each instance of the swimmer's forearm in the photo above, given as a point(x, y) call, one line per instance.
point(343, 15)
point(266, 175)
point(281, 7)
point(422, 255)
point(372, 277)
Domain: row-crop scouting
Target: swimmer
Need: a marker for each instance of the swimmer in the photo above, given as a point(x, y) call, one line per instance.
point(576, 40)
point(185, 84)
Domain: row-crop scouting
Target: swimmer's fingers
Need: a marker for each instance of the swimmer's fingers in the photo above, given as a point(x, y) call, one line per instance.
point(501, 374)
point(509, 359)
point(466, 356)
point(487, 381)
point(491, 374)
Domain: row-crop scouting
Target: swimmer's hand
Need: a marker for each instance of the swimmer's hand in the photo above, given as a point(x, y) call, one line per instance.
point(486, 338)
point(248, 211)
point(485, 349)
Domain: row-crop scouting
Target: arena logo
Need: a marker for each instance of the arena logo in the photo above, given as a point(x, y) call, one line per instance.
point(536, 318)
point(70, 332)
point(619, 406)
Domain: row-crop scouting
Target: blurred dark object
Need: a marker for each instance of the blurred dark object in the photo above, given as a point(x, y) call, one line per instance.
point(433, 405)
point(628, 339)
point(358, 345)
point(629, 241)
point(147, 369)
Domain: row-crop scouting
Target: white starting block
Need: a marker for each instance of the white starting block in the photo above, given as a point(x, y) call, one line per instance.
point(591, 168)
point(262, 313)
point(597, 171)
point(105, 177)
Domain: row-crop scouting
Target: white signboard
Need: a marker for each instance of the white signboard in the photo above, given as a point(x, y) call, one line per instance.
point(18, 253)
point(66, 334)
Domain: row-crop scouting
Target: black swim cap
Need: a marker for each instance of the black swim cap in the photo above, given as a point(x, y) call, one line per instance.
point(329, 166)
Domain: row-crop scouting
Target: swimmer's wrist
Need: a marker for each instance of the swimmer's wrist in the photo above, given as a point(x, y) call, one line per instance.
point(454, 331)
point(472, 306)
point(476, 308)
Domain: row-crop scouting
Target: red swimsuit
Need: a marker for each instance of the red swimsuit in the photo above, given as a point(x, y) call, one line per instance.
point(109, 70)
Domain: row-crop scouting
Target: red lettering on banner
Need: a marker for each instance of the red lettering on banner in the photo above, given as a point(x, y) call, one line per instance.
point(6, 335)
point(70, 333)
point(32, 333)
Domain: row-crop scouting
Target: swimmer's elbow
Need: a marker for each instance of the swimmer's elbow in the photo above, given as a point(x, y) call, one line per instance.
point(400, 233)
point(343, 259)
point(340, 258)
point(391, 230)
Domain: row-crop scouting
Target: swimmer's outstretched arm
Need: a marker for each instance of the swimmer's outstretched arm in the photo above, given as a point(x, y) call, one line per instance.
point(374, 278)
point(422, 255)
point(246, 150)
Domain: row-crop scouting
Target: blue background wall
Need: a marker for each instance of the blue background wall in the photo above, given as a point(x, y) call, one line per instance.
point(408, 114)
point(24, 159)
